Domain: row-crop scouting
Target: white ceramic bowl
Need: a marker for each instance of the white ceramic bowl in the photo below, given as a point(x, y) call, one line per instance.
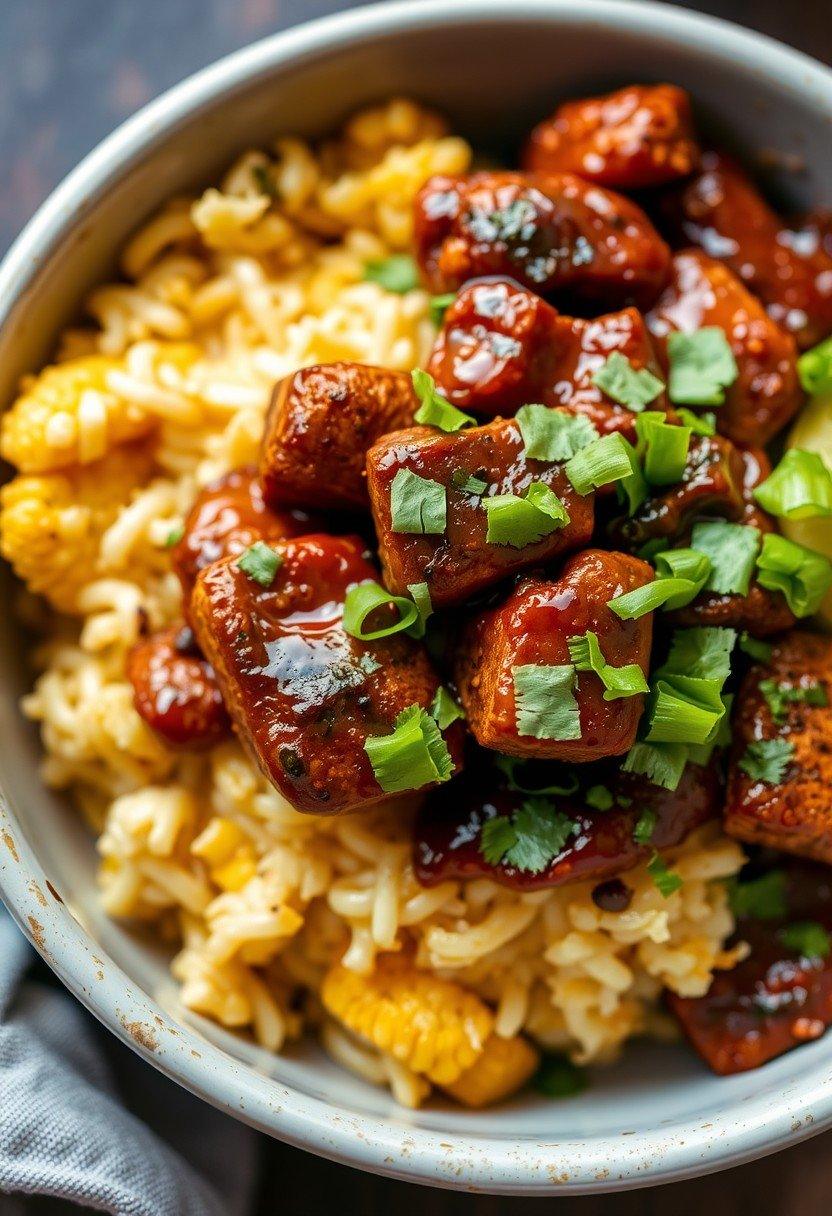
point(493, 67)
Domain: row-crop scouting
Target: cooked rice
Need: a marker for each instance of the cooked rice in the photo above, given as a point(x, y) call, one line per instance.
point(223, 295)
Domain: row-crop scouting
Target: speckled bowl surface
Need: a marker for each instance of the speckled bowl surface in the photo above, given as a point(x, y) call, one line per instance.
point(494, 68)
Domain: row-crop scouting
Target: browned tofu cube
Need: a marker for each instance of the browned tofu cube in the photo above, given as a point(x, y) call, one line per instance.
point(512, 709)
point(459, 560)
point(320, 424)
point(780, 778)
point(502, 346)
point(303, 694)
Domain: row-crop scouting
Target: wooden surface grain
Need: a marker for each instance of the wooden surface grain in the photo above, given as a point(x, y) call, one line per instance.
point(70, 70)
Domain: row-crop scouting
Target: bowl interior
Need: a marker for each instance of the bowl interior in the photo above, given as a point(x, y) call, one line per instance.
point(492, 75)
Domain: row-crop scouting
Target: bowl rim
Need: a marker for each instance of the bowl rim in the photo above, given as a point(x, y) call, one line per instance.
point(438, 1157)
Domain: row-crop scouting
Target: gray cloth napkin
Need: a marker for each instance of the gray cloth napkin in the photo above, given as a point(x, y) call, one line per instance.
point(84, 1119)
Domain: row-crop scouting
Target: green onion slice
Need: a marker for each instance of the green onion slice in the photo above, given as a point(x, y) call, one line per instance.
point(803, 576)
point(415, 754)
point(444, 709)
point(641, 600)
point(645, 826)
point(800, 487)
point(439, 305)
point(544, 701)
point(398, 273)
point(732, 550)
point(364, 600)
point(436, 410)
point(700, 424)
point(663, 447)
point(524, 521)
point(814, 368)
point(260, 562)
point(607, 459)
point(687, 565)
point(417, 504)
point(625, 681)
point(702, 366)
point(666, 881)
point(549, 434)
point(421, 598)
point(623, 383)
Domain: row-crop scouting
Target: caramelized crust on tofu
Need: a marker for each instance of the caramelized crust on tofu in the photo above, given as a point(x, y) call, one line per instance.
point(553, 233)
point(447, 842)
point(461, 561)
point(761, 613)
point(175, 690)
point(704, 292)
point(532, 626)
point(722, 212)
point(303, 694)
point(795, 813)
point(501, 346)
point(633, 138)
point(774, 999)
point(712, 484)
point(227, 517)
point(320, 424)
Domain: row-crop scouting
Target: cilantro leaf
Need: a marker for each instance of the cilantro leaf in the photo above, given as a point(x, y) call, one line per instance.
point(780, 696)
point(542, 833)
point(398, 273)
point(807, 938)
point(767, 759)
point(702, 366)
point(496, 838)
point(623, 383)
point(764, 898)
point(260, 563)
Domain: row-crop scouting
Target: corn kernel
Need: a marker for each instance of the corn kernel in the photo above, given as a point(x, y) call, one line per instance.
point(504, 1067)
point(234, 874)
point(217, 841)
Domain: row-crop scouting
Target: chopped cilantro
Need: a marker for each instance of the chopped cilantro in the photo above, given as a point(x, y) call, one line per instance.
point(763, 898)
point(623, 383)
point(767, 759)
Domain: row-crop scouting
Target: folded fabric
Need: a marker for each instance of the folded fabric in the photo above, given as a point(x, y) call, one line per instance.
point(83, 1119)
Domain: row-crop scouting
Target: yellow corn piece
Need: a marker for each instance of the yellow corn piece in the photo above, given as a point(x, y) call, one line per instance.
point(67, 416)
point(504, 1067)
point(234, 874)
point(51, 525)
point(433, 1026)
point(218, 841)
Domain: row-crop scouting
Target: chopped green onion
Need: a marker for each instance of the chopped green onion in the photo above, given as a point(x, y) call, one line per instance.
point(641, 600)
point(632, 489)
point(703, 652)
point(599, 798)
point(702, 366)
point(661, 763)
point(779, 696)
point(398, 273)
point(444, 709)
point(524, 521)
point(803, 576)
point(767, 760)
point(174, 536)
point(732, 550)
point(468, 484)
point(364, 600)
point(260, 563)
point(665, 448)
point(421, 598)
point(545, 705)
point(607, 459)
point(510, 765)
point(687, 565)
point(686, 700)
point(439, 305)
point(417, 504)
point(799, 488)
point(700, 424)
point(754, 648)
point(625, 681)
point(807, 938)
point(814, 368)
point(436, 410)
point(415, 754)
point(677, 717)
point(549, 434)
point(623, 383)
point(557, 1077)
point(666, 881)
point(646, 825)
point(763, 898)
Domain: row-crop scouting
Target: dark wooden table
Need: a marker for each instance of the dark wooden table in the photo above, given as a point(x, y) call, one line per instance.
point(70, 70)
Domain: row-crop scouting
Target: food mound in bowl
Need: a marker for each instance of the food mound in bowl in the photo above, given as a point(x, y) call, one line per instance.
point(427, 635)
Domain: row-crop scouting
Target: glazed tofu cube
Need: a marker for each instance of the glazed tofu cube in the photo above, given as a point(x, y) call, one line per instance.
point(712, 484)
point(320, 424)
point(633, 138)
point(704, 292)
point(175, 690)
point(458, 560)
point(501, 346)
point(531, 629)
point(554, 233)
point(722, 211)
point(304, 695)
point(226, 517)
point(776, 998)
point(780, 777)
